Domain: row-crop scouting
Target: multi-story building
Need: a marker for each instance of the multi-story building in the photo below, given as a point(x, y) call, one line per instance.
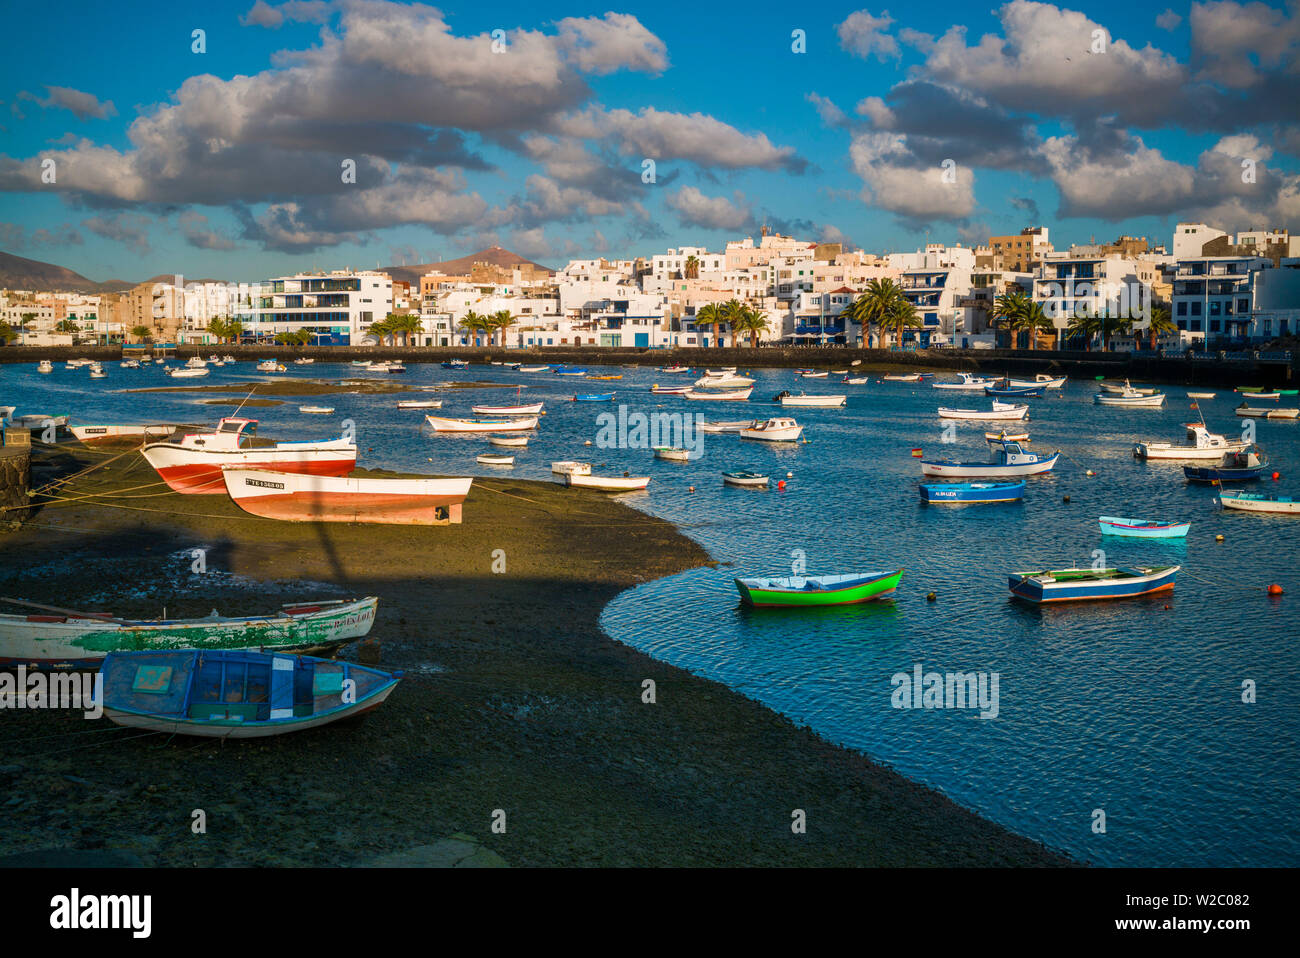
point(1211, 298)
point(1275, 301)
point(1022, 252)
point(1189, 238)
point(1101, 285)
point(337, 308)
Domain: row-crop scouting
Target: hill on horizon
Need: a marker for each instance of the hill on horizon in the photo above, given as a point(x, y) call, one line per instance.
point(18, 272)
point(495, 255)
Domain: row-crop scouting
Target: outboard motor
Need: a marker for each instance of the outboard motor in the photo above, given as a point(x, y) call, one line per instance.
point(781, 395)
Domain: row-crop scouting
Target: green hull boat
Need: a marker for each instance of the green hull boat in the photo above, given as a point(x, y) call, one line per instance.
point(799, 591)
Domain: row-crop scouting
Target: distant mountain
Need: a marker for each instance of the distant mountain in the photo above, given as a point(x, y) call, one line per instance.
point(19, 273)
point(460, 267)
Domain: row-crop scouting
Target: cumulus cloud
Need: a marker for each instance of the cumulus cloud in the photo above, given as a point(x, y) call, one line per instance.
point(264, 14)
point(15, 236)
point(711, 212)
point(615, 41)
point(864, 35)
point(895, 181)
point(1169, 20)
point(129, 229)
point(198, 233)
point(1237, 44)
point(85, 106)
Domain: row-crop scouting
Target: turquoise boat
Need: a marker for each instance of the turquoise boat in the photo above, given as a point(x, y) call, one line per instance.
point(594, 397)
point(1142, 528)
point(804, 591)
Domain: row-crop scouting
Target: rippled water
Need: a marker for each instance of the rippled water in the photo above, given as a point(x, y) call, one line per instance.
point(1130, 707)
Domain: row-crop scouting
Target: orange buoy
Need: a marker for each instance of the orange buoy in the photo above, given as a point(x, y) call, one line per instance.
point(1274, 589)
point(1218, 538)
point(690, 488)
point(1277, 476)
point(780, 483)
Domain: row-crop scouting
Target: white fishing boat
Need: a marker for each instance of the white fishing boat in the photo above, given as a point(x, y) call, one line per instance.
point(228, 359)
point(362, 363)
point(441, 424)
point(674, 454)
point(97, 372)
point(45, 366)
point(39, 421)
point(294, 497)
point(6, 412)
point(1204, 445)
point(1257, 412)
point(511, 441)
point(533, 369)
point(1005, 436)
point(606, 483)
point(1131, 397)
point(495, 459)
point(902, 378)
point(674, 369)
point(780, 429)
point(999, 412)
point(419, 404)
point(523, 409)
point(1126, 388)
point(1041, 380)
point(814, 374)
point(316, 410)
point(721, 427)
point(105, 433)
point(734, 395)
point(303, 361)
point(1259, 502)
point(724, 371)
point(1009, 459)
point(658, 390)
point(856, 380)
point(271, 366)
point(130, 364)
point(724, 382)
point(182, 372)
point(196, 363)
point(745, 479)
point(1192, 395)
point(966, 382)
point(568, 467)
point(786, 399)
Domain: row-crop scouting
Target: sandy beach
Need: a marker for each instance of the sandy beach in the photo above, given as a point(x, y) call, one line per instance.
point(513, 700)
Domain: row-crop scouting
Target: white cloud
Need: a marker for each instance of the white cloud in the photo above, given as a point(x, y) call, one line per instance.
point(864, 35)
point(711, 212)
point(895, 182)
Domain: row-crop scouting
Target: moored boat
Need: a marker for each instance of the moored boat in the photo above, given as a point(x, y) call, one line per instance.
point(1192, 395)
point(271, 366)
point(818, 590)
point(786, 399)
point(1258, 502)
point(294, 497)
point(522, 409)
point(669, 390)
point(1240, 466)
point(1026, 392)
point(495, 459)
point(533, 369)
point(1204, 445)
point(580, 480)
point(443, 424)
point(773, 430)
point(723, 382)
point(967, 382)
point(674, 454)
point(674, 369)
point(732, 426)
point(734, 395)
point(1009, 460)
point(814, 374)
point(856, 380)
point(216, 693)
point(1073, 585)
point(1142, 528)
point(972, 492)
point(45, 366)
point(903, 377)
point(1006, 436)
point(1131, 397)
point(1258, 412)
point(594, 397)
point(1120, 389)
point(419, 404)
point(568, 467)
point(183, 372)
point(1042, 380)
point(508, 440)
point(999, 412)
point(316, 410)
point(745, 478)
point(455, 364)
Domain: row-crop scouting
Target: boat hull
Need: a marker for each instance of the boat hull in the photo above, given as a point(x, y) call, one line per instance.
point(989, 470)
point(1135, 528)
point(866, 589)
point(297, 498)
point(1026, 586)
point(958, 493)
point(193, 471)
point(1248, 503)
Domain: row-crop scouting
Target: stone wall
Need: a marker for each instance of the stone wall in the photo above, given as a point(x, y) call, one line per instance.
point(15, 480)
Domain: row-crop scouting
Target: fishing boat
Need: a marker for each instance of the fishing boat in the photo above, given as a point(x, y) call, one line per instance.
point(669, 390)
point(1073, 585)
point(1126, 387)
point(100, 433)
point(378, 367)
point(594, 397)
point(1006, 436)
point(193, 463)
point(818, 590)
point(674, 369)
point(734, 395)
point(727, 371)
point(856, 380)
point(1025, 392)
point(236, 694)
point(1256, 502)
point(495, 459)
point(522, 409)
point(786, 399)
point(745, 478)
point(956, 493)
point(1131, 397)
point(441, 424)
point(1010, 459)
point(1000, 411)
point(1142, 528)
point(45, 366)
point(6, 412)
point(455, 364)
point(1200, 395)
point(966, 382)
point(363, 363)
point(66, 639)
point(1256, 412)
point(182, 372)
point(579, 480)
point(316, 410)
point(773, 430)
point(1240, 466)
point(567, 467)
point(294, 497)
point(228, 359)
point(1041, 380)
point(839, 372)
point(723, 382)
point(194, 362)
point(511, 441)
point(903, 378)
point(419, 404)
point(570, 372)
point(814, 374)
point(721, 427)
point(130, 364)
point(97, 372)
point(396, 368)
point(533, 369)
point(1204, 445)
point(271, 366)
point(303, 361)
point(674, 453)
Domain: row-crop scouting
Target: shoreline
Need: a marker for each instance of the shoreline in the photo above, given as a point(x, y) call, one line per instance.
point(514, 699)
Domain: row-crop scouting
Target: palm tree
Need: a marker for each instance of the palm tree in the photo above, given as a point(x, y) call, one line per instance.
point(1161, 322)
point(474, 323)
point(692, 268)
point(7, 332)
point(876, 303)
point(753, 322)
point(381, 328)
point(1034, 319)
point(140, 332)
point(218, 327)
point(1011, 308)
point(902, 316)
point(502, 320)
point(404, 323)
point(1098, 325)
point(66, 326)
point(710, 314)
point(234, 329)
point(732, 312)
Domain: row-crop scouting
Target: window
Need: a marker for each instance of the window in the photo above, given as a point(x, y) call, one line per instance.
point(1214, 326)
point(1196, 325)
point(1243, 305)
point(1196, 310)
point(1214, 307)
point(1182, 309)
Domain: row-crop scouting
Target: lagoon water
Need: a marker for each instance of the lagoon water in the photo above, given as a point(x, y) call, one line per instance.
point(1132, 708)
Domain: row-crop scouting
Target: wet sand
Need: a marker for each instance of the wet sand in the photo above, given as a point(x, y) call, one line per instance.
point(513, 700)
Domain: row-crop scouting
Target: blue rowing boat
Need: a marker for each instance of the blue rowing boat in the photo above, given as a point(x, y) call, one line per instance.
point(570, 372)
point(236, 693)
point(1142, 528)
point(594, 397)
point(1073, 585)
point(972, 492)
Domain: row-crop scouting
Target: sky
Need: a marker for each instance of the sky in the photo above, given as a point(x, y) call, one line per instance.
point(321, 134)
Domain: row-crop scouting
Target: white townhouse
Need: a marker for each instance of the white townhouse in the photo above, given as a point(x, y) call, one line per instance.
point(1211, 301)
point(1070, 286)
point(337, 307)
point(1275, 301)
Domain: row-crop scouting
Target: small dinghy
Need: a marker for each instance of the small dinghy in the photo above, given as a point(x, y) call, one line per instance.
point(508, 440)
point(1006, 392)
point(1041, 380)
point(441, 424)
point(812, 374)
point(1126, 387)
point(1009, 460)
point(745, 478)
point(721, 427)
point(967, 382)
point(301, 361)
point(231, 693)
point(856, 380)
point(580, 480)
point(804, 591)
point(495, 459)
point(619, 376)
point(271, 366)
point(1130, 397)
point(1005, 436)
point(594, 397)
point(568, 467)
point(999, 412)
point(1200, 395)
point(570, 372)
point(674, 369)
point(1142, 528)
point(711, 395)
point(786, 399)
point(955, 493)
point(724, 382)
point(316, 410)
point(1073, 585)
point(522, 409)
point(183, 372)
point(533, 369)
point(903, 378)
point(1240, 466)
point(1258, 502)
point(1257, 412)
point(668, 390)
point(454, 364)
point(419, 404)
point(673, 454)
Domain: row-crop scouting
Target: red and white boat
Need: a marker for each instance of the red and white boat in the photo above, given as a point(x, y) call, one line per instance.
point(302, 498)
point(443, 424)
point(193, 463)
point(528, 409)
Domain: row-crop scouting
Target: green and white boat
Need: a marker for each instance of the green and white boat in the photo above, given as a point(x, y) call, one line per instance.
point(797, 591)
point(79, 640)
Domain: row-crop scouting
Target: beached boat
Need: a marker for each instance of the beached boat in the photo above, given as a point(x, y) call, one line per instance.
point(193, 463)
point(1006, 411)
point(294, 497)
point(533, 369)
point(903, 378)
point(1258, 412)
point(786, 399)
point(65, 639)
point(674, 453)
point(1073, 585)
point(745, 478)
point(818, 590)
point(967, 382)
point(38, 420)
point(1022, 392)
point(734, 395)
point(669, 390)
point(1240, 466)
point(1042, 380)
point(236, 694)
point(594, 397)
point(271, 366)
point(606, 483)
point(508, 440)
point(1120, 389)
point(1142, 528)
point(182, 372)
point(1130, 398)
point(1200, 395)
point(733, 426)
point(1204, 445)
point(568, 467)
point(956, 493)
point(419, 404)
point(45, 366)
point(442, 424)
point(1257, 502)
point(1010, 459)
point(773, 430)
point(6, 412)
point(98, 433)
point(316, 410)
point(522, 409)
point(495, 459)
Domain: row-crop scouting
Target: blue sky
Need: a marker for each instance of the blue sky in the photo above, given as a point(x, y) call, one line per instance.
point(230, 176)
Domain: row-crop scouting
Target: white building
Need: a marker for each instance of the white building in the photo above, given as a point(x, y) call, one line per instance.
point(338, 307)
point(1190, 237)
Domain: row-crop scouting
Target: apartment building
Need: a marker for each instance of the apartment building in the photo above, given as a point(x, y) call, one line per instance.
point(1021, 252)
point(337, 308)
point(1211, 297)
